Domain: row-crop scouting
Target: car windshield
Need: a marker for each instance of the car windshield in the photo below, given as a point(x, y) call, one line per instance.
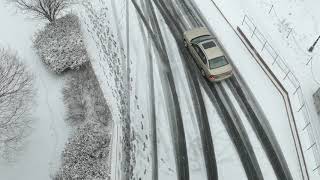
point(217, 62)
point(208, 45)
point(200, 39)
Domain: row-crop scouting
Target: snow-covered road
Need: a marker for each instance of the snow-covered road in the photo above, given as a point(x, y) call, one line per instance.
point(272, 148)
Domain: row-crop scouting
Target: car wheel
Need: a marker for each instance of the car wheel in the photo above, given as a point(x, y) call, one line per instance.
point(203, 73)
point(185, 43)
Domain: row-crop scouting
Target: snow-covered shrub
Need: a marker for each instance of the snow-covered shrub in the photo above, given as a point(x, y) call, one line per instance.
point(86, 154)
point(60, 45)
point(84, 98)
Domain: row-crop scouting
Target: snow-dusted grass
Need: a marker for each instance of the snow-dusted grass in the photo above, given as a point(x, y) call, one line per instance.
point(86, 155)
point(60, 45)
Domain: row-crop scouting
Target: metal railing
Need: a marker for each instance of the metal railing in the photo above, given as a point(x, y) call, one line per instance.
point(281, 69)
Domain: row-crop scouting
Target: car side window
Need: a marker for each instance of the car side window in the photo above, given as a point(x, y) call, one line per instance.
point(200, 53)
point(204, 59)
point(196, 48)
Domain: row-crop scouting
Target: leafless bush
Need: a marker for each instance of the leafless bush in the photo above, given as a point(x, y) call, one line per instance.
point(15, 102)
point(44, 9)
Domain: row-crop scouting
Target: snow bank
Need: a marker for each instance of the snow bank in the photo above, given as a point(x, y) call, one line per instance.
point(60, 45)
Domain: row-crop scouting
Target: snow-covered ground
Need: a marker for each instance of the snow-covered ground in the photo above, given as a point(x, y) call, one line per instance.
point(290, 26)
point(41, 155)
point(140, 102)
point(263, 161)
point(228, 161)
point(271, 101)
point(191, 128)
point(274, 27)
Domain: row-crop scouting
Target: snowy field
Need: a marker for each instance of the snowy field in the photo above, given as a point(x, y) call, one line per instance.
point(41, 155)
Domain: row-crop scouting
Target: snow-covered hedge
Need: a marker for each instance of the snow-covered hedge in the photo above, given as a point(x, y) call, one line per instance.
point(86, 154)
point(84, 98)
point(60, 45)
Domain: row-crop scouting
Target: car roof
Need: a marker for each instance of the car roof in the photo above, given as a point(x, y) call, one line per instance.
point(211, 52)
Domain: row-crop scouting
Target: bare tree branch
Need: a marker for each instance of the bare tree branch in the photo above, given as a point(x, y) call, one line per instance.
point(16, 95)
point(44, 9)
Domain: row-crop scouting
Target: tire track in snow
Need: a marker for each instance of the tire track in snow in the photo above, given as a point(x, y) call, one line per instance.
point(251, 165)
point(147, 9)
point(230, 122)
point(278, 161)
point(261, 128)
point(203, 123)
point(175, 112)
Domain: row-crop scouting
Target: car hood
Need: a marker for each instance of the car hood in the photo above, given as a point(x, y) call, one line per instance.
point(196, 33)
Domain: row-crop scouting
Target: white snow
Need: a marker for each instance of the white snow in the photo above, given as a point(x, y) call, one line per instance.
point(262, 158)
point(228, 162)
point(291, 27)
point(191, 128)
point(140, 98)
point(268, 98)
point(41, 155)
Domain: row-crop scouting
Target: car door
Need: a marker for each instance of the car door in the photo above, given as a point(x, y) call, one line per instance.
point(196, 51)
point(201, 58)
point(203, 61)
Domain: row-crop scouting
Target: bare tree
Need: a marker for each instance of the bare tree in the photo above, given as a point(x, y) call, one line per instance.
point(16, 94)
point(44, 9)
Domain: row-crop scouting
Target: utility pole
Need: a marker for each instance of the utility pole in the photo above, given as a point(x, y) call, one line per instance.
point(312, 47)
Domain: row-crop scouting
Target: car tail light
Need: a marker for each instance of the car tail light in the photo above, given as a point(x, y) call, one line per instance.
point(212, 77)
